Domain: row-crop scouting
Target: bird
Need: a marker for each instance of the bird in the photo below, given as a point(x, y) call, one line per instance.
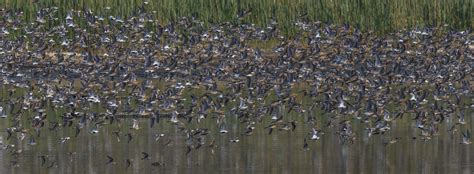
point(130, 137)
point(110, 160)
point(43, 159)
point(305, 144)
point(157, 164)
point(32, 141)
point(117, 135)
point(315, 134)
point(128, 163)
point(188, 149)
point(235, 140)
point(146, 156)
point(466, 137)
point(391, 141)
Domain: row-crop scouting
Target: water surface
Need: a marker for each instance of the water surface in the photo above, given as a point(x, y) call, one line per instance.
point(280, 152)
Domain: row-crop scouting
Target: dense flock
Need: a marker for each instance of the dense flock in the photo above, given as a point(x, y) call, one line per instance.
point(93, 71)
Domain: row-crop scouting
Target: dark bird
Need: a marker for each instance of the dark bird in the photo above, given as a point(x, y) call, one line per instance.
point(145, 156)
point(130, 137)
point(9, 132)
point(43, 159)
point(188, 149)
point(128, 163)
point(110, 160)
point(305, 144)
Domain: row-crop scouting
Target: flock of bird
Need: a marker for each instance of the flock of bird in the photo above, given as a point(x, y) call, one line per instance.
point(93, 71)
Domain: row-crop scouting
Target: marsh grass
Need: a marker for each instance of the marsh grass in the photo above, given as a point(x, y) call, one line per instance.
point(377, 15)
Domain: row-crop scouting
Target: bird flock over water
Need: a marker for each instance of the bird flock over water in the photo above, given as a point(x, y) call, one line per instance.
point(91, 71)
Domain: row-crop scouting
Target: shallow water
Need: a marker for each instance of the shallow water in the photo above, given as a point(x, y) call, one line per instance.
point(280, 152)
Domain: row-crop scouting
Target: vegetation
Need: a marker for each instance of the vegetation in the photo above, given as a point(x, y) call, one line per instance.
point(377, 15)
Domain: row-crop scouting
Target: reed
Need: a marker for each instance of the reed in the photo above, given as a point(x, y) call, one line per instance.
point(377, 15)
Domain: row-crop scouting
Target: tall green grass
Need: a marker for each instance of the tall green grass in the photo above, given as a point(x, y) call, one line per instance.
point(377, 15)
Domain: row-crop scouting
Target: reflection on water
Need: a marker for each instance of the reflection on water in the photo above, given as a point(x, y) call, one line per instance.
point(280, 152)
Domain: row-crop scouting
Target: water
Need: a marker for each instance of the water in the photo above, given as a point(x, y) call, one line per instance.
point(280, 152)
